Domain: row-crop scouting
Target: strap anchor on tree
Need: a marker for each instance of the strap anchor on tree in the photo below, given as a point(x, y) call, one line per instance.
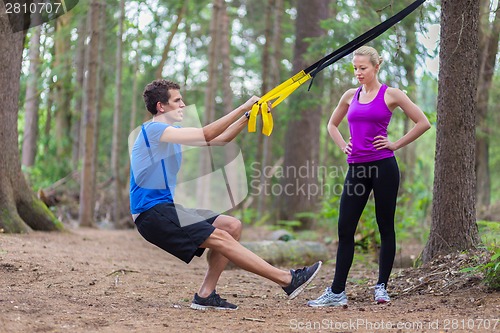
point(285, 89)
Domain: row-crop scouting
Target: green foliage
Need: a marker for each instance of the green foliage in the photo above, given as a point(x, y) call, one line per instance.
point(288, 225)
point(489, 267)
point(490, 233)
point(491, 270)
point(146, 33)
point(38, 177)
point(495, 133)
point(246, 215)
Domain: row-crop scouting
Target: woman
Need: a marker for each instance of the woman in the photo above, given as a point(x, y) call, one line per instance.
point(372, 166)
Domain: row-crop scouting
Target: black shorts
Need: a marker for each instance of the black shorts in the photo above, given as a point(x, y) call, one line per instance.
point(179, 231)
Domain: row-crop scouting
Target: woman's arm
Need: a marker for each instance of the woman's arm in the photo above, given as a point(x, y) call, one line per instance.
point(398, 98)
point(338, 114)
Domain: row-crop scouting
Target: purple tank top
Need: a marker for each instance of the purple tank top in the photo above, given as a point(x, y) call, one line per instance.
point(366, 121)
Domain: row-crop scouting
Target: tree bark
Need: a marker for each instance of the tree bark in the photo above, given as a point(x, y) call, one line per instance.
point(210, 93)
point(263, 141)
point(453, 226)
point(78, 111)
point(489, 49)
point(86, 212)
point(135, 89)
point(32, 101)
point(230, 150)
point(117, 209)
point(63, 86)
point(301, 191)
point(20, 210)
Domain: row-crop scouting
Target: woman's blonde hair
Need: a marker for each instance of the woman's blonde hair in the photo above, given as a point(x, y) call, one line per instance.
point(375, 58)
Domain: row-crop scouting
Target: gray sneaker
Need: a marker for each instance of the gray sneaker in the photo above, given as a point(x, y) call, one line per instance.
point(381, 295)
point(329, 299)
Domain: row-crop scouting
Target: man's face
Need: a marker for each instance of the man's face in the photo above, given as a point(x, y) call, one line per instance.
point(173, 109)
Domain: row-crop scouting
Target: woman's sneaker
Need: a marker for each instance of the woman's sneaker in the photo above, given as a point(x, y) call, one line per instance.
point(213, 301)
point(381, 295)
point(300, 279)
point(329, 299)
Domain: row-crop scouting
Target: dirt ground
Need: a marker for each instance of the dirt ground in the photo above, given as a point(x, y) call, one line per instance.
point(88, 280)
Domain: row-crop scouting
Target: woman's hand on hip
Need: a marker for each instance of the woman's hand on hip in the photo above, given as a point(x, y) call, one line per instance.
point(382, 142)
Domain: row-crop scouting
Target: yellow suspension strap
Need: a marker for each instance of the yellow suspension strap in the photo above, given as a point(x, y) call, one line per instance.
point(276, 95)
point(281, 92)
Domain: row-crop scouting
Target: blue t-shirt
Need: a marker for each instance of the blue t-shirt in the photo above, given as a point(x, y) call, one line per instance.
point(153, 168)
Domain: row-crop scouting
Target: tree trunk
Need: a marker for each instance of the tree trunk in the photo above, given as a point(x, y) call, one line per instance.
point(89, 118)
point(301, 190)
point(277, 42)
point(32, 101)
point(20, 210)
point(63, 86)
point(263, 141)
point(48, 121)
point(101, 83)
point(230, 150)
point(488, 49)
point(135, 89)
point(454, 225)
point(78, 111)
point(117, 209)
point(209, 104)
point(276, 57)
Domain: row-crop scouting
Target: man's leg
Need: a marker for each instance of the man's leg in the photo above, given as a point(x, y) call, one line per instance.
point(223, 244)
point(216, 261)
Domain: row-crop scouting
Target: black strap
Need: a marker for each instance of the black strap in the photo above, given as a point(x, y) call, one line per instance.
point(360, 41)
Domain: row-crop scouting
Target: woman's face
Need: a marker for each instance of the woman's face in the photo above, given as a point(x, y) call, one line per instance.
point(364, 70)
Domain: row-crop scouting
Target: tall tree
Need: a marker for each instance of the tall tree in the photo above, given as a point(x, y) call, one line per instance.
point(87, 178)
point(454, 205)
point(32, 101)
point(302, 136)
point(230, 150)
point(63, 87)
point(210, 94)
point(20, 210)
point(117, 209)
point(488, 45)
point(80, 74)
point(267, 75)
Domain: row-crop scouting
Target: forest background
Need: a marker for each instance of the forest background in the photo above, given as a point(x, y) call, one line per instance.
point(73, 134)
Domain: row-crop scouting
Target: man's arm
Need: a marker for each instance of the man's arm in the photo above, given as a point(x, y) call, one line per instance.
point(200, 136)
point(230, 133)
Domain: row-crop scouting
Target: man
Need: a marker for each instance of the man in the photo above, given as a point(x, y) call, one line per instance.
point(184, 233)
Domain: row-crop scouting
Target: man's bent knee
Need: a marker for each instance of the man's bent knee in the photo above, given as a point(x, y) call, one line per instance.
point(236, 227)
point(230, 224)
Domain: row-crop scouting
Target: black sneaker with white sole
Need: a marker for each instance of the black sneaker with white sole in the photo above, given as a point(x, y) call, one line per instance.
point(213, 301)
point(300, 279)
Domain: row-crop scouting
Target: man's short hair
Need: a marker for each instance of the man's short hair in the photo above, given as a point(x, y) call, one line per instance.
point(158, 91)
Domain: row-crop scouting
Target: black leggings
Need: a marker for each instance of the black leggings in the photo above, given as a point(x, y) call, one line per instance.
point(383, 178)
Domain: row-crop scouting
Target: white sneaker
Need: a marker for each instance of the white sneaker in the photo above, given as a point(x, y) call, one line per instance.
point(329, 299)
point(381, 295)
